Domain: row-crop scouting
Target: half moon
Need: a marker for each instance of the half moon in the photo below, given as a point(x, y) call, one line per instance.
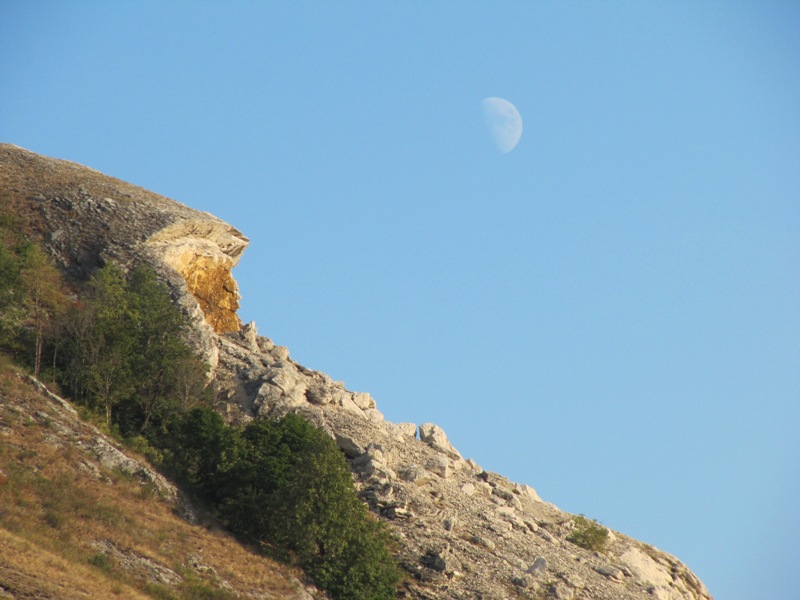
point(504, 122)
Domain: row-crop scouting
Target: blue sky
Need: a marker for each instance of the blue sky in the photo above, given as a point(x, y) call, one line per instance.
point(609, 312)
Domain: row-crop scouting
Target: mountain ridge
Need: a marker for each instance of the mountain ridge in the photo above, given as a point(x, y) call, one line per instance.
point(465, 532)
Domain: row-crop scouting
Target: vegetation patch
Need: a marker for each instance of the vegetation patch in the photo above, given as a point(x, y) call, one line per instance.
point(284, 486)
point(588, 534)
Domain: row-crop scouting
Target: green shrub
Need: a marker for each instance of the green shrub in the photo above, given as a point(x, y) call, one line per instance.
point(284, 485)
point(141, 444)
point(102, 561)
point(588, 534)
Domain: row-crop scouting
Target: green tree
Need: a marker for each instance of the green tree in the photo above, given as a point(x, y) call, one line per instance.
point(44, 299)
point(588, 534)
point(284, 485)
point(168, 375)
point(31, 293)
point(109, 343)
point(11, 298)
point(291, 490)
point(12, 293)
point(201, 449)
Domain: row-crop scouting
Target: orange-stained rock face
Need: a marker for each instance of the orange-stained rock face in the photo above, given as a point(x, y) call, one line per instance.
point(209, 280)
point(203, 253)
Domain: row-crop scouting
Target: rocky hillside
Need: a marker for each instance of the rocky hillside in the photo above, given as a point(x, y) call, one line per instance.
point(465, 532)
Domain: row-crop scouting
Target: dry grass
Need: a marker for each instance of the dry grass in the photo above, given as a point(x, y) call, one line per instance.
point(60, 513)
point(29, 571)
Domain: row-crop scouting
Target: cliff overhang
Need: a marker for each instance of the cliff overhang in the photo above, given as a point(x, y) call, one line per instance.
point(204, 253)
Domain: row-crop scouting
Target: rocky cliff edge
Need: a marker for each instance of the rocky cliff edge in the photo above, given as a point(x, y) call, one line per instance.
point(464, 532)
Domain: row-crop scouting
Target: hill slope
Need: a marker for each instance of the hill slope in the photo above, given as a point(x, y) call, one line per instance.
point(465, 532)
point(79, 518)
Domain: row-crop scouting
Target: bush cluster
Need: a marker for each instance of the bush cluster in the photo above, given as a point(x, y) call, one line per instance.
point(588, 534)
point(284, 485)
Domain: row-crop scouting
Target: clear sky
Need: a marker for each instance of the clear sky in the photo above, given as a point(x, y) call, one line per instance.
point(610, 312)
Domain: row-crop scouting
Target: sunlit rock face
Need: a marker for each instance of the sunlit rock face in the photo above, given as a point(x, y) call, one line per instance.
point(204, 253)
point(210, 281)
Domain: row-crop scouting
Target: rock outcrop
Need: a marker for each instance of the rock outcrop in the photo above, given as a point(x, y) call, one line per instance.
point(464, 532)
point(85, 219)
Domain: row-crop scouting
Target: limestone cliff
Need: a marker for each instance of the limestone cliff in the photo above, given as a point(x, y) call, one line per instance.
point(464, 532)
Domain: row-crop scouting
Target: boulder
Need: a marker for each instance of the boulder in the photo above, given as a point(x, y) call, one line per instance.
point(415, 474)
point(363, 400)
point(441, 465)
point(405, 429)
point(645, 569)
point(348, 445)
point(435, 437)
point(349, 405)
point(610, 571)
point(538, 568)
point(250, 335)
point(373, 414)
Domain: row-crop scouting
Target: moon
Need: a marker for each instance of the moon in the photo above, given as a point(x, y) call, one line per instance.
point(504, 122)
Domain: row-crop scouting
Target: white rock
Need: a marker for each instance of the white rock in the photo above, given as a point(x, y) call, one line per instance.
point(250, 334)
point(468, 489)
point(265, 344)
point(374, 415)
point(507, 513)
point(435, 437)
point(564, 592)
point(348, 445)
point(532, 525)
point(483, 487)
point(645, 569)
point(378, 469)
point(405, 429)
point(291, 383)
point(415, 474)
point(610, 571)
point(530, 493)
point(350, 406)
point(441, 465)
point(661, 594)
point(286, 405)
point(280, 352)
point(538, 567)
point(363, 400)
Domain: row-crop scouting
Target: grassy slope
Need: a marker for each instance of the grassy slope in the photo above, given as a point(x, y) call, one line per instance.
point(70, 529)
